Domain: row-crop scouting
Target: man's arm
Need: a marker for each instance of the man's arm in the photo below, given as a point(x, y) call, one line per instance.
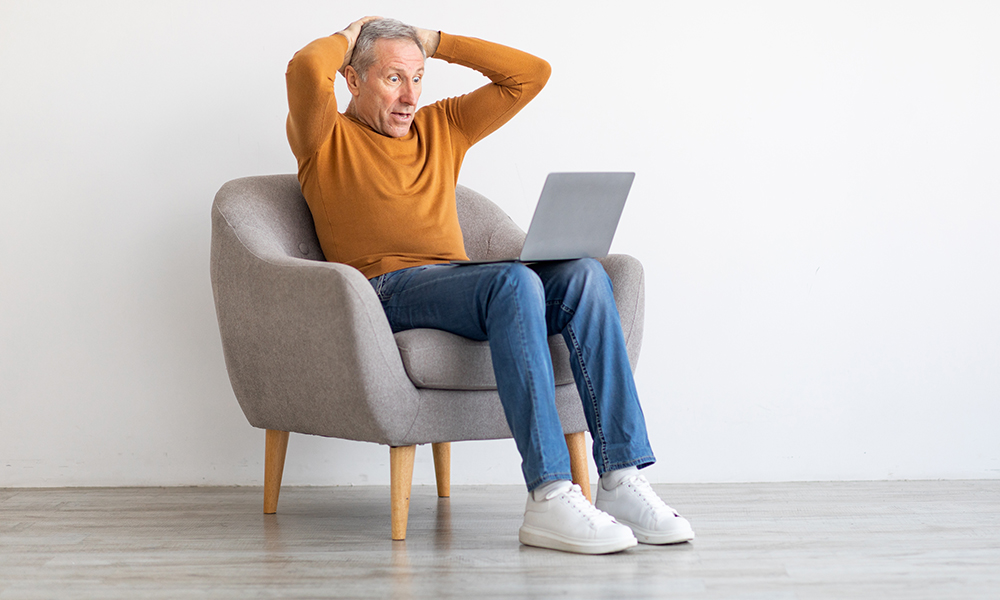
point(516, 77)
point(312, 107)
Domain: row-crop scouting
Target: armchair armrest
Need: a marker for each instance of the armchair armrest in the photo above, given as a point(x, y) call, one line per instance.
point(628, 280)
point(307, 345)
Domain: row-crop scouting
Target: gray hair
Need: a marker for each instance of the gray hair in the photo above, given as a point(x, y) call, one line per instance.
point(363, 56)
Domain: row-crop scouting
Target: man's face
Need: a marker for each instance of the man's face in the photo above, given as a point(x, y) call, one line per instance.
point(387, 98)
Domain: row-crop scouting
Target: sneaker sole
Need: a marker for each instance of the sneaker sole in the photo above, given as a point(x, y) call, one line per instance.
point(656, 538)
point(530, 536)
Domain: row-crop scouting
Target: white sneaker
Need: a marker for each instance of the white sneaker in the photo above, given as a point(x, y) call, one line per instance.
point(565, 520)
point(634, 503)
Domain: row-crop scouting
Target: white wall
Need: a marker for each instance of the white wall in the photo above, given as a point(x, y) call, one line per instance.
point(816, 206)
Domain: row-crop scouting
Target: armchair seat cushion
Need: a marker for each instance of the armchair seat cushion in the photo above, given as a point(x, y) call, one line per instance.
point(439, 360)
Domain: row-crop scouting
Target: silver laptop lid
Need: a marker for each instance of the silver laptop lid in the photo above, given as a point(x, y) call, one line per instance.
point(576, 216)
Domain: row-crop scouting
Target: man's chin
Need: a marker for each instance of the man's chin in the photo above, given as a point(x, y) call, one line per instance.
point(397, 132)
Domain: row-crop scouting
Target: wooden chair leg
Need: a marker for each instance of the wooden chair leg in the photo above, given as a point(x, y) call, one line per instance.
point(275, 445)
point(442, 468)
point(401, 479)
point(579, 469)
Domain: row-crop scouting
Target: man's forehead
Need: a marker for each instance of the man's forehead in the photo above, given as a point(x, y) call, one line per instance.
point(402, 53)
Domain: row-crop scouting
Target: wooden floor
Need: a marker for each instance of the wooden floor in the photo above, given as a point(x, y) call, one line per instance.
point(925, 539)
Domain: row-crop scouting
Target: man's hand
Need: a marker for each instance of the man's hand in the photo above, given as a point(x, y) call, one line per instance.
point(429, 39)
point(351, 32)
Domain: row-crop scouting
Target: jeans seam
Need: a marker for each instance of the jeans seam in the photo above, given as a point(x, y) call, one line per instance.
point(528, 370)
point(592, 397)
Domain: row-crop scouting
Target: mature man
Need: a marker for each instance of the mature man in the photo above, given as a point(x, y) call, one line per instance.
point(380, 181)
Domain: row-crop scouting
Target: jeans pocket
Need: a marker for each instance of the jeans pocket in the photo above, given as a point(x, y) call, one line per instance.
point(378, 283)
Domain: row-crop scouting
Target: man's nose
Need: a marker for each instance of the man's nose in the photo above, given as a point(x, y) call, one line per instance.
point(410, 93)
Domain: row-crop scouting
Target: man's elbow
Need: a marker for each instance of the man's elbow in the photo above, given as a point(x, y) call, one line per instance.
point(544, 71)
point(305, 65)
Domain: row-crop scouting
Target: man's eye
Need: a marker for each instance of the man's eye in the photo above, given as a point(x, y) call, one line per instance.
point(394, 79)
point(416, 79)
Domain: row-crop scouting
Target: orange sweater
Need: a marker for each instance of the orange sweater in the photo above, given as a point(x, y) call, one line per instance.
point(380, 203)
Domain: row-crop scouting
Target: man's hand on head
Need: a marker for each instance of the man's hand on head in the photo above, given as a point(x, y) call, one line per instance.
point(351, 32)
point(429, 39)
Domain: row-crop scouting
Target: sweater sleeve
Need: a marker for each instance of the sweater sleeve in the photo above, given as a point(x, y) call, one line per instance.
point(516, 77)
point(312, 107)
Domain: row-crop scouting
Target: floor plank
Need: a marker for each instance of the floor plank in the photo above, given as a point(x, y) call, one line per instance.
point(911, 539)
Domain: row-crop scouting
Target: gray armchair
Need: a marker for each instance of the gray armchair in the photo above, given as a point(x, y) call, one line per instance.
point(308, 348)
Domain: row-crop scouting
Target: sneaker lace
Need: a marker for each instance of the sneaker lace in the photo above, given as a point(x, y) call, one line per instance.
point(575, 498)
point(640, 484)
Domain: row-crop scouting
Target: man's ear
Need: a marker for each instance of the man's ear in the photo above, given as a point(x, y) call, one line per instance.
point(353, 80)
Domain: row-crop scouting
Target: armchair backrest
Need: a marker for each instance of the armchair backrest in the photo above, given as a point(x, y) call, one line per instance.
point(486, 229)
point(270, 217)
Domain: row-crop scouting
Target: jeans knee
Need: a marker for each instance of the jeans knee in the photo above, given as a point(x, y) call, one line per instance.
point(516, 279)
point(590, 268)
point(590, 275)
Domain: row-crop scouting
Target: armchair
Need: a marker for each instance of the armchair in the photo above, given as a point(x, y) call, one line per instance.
point(308, 348)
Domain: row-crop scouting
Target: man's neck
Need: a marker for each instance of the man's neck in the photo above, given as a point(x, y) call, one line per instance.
point(352, 110)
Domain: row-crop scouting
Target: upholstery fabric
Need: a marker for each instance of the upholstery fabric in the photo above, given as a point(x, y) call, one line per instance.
point(308, 348)
point(440, 360)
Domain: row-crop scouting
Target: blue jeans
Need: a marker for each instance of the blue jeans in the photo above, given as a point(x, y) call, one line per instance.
point(516, 307)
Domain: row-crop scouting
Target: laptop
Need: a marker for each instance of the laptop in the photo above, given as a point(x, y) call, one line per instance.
point(576, 217)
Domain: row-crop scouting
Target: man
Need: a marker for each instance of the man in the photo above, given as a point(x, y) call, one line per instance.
point(380, 181)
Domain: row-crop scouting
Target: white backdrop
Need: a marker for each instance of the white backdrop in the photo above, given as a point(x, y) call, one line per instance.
point(816, 207)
